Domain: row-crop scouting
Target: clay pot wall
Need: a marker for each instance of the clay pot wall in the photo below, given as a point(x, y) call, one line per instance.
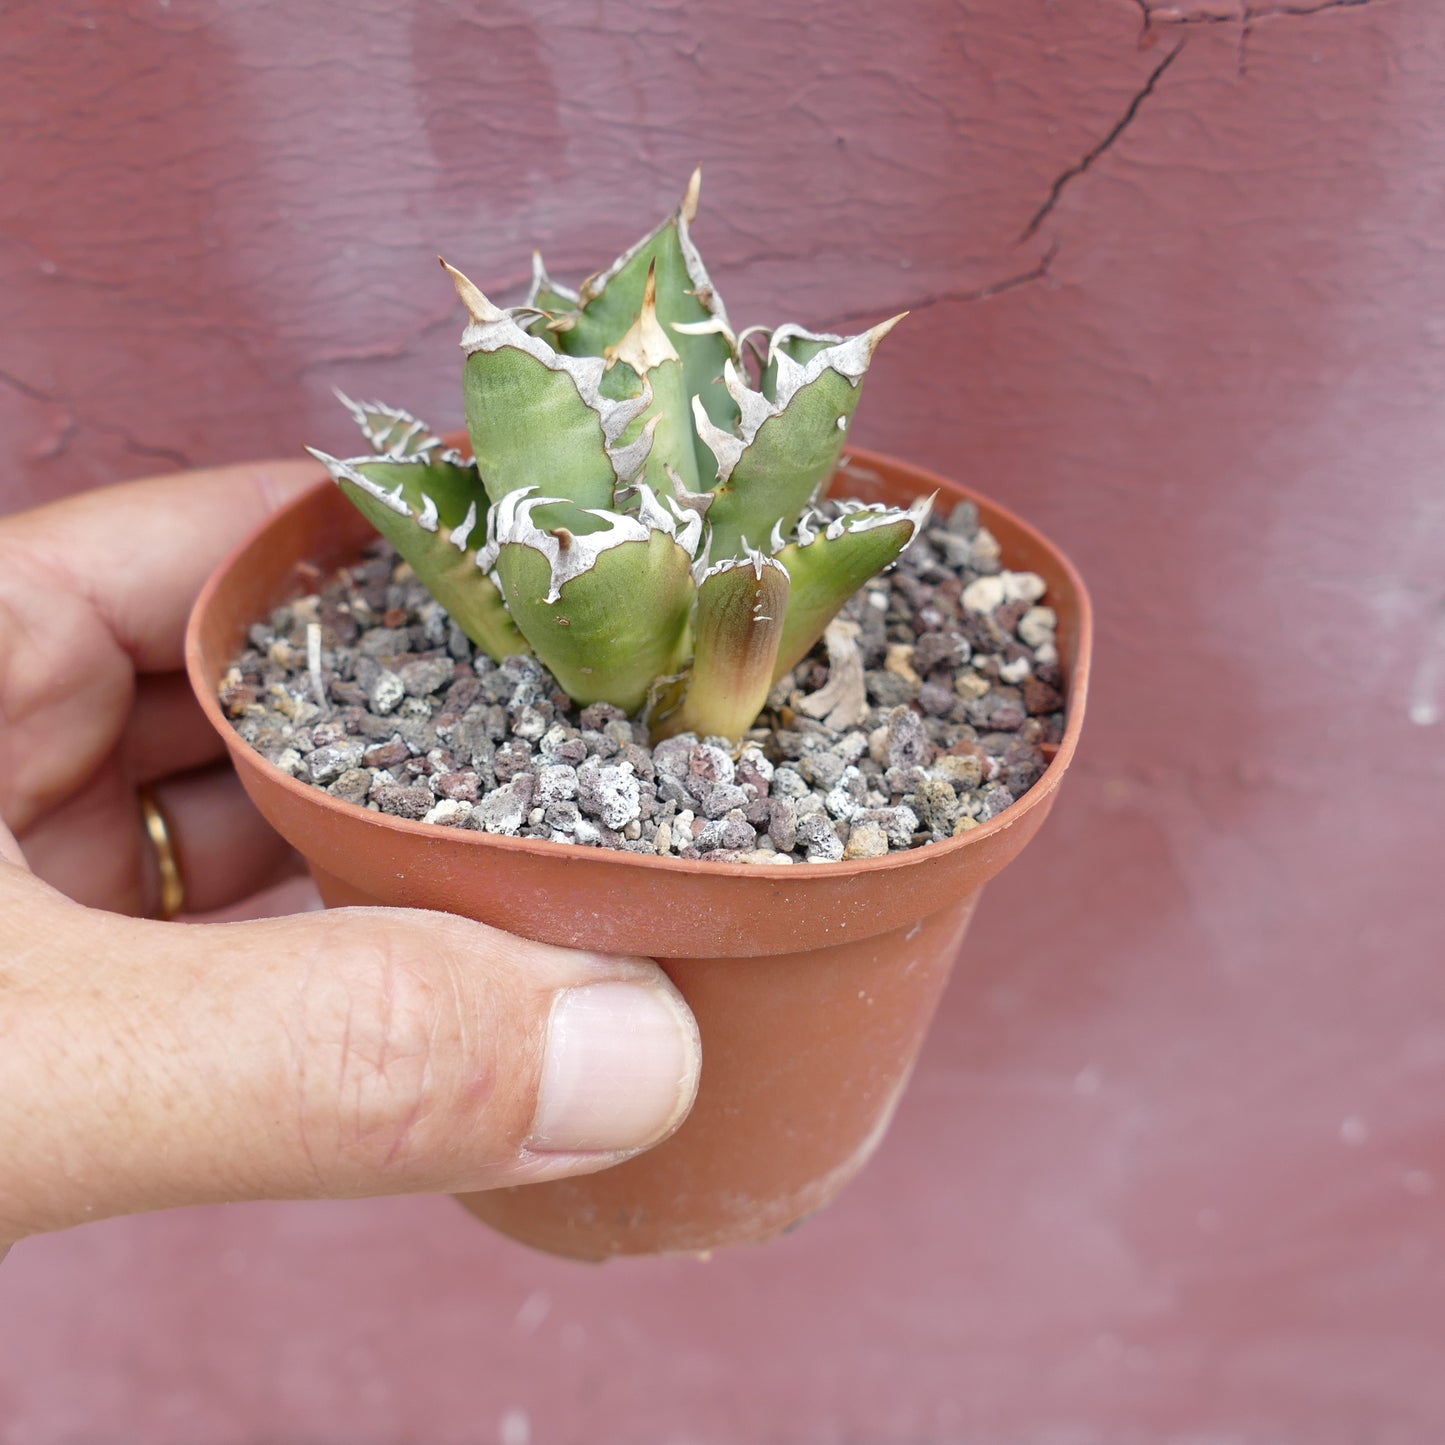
point(1173, 1162)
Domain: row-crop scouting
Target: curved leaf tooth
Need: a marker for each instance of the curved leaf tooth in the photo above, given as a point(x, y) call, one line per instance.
point(390, 431)
point(793, 343)
point(558, 304)
point(741, 606)
point(613, 628)
point(828, 569)
point(432, 512)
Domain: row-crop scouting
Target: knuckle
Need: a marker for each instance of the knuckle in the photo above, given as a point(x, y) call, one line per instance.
point(384, 1042)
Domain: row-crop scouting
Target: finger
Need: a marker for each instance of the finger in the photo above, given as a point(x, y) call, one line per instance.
point(166, 731)
point(94, 847)
point(10, 849)
point(359, 1052)
point(225, 849)
point(140, 552)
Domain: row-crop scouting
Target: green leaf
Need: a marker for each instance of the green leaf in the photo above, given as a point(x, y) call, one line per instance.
point(741, 605)
point(612, 301)
point(646, 355)
point(787, 446)
point(433, 511)
point(605, 609)
point(828, 566)
point(537, 417)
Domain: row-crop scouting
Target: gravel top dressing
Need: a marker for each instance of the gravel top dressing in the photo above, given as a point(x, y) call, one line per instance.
point(922, 714)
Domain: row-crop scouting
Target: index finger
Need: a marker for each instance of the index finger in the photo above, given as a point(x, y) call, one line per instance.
point(140, 552)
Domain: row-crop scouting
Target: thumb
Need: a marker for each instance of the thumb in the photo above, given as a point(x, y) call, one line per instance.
point(333, 1055)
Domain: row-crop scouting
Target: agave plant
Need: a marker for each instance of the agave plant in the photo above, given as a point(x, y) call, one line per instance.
point(641, 507)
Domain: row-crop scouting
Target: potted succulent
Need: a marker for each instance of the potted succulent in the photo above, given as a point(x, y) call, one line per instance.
point(637, 530)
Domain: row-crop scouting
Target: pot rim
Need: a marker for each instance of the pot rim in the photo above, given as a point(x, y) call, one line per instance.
point(1040, 795)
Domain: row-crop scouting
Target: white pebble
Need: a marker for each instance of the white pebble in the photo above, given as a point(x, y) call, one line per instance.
point(984, 594)
point(1037, 626)
point(1022, 586)
point(450, 813)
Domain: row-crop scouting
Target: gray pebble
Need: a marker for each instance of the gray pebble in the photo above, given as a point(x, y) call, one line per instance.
point(899, 823)
point(449, 813)
point(325, 765)
point(846, 796)
point(502, 811)
point(671, 790)
point(387, 692)
point(722, 798)
point(402, 800)
point(609, 793)
point(556, 783)
point(418, 679)
point(993, 799)
point(783, 824)
point(820, 840)
point(530, 723)
point(671, 756)
point(352, 786)
point(937, 806)
point(789, 783)
point(382, 642)
point(822, 769)
point(907, 743)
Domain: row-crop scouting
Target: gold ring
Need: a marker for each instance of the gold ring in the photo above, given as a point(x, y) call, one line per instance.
point(173, 886)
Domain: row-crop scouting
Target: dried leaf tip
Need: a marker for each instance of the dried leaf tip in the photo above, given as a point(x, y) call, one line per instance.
point(881, 330)
point(688, 209)
point(479, 308)
point(646, 344)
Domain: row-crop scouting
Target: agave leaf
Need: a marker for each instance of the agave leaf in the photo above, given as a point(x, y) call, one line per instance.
point(646, 356)
point(741, 604)
point(605, 609)
point(537, 417)
point(787, 446)
point(433, 511)
point(611, 301)
point(830, 561)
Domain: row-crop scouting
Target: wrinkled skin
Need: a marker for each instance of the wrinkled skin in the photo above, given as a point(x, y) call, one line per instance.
point(147, 1064)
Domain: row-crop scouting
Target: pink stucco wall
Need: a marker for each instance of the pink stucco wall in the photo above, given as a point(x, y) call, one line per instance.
point(1173, 1167)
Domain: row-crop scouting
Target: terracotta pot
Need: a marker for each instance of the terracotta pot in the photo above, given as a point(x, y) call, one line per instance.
point(813, 985)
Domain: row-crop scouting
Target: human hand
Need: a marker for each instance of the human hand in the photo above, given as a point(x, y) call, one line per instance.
point(330, 1055)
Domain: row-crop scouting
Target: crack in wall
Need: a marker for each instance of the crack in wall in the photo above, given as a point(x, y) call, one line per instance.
point(1245, 17)
point(1037, 272)
point(26, 389)
point(72, 424)
point(182, 461)
point(1083, 164)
